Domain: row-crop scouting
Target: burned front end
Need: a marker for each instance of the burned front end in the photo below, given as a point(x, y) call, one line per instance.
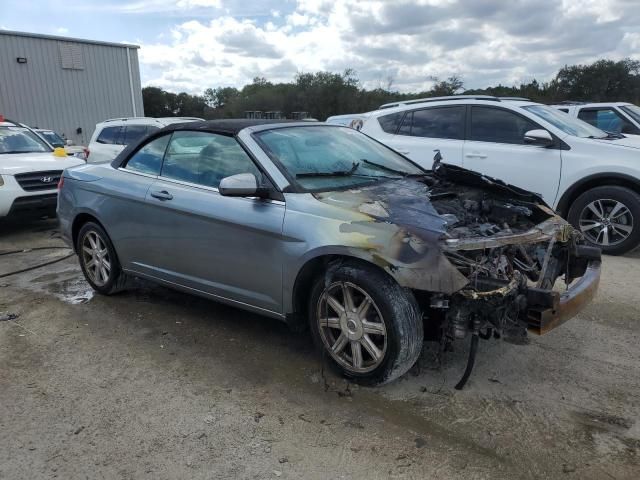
point(527, 269)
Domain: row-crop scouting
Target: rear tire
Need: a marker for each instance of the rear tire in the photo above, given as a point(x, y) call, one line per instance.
point(371, 334)
point(608, 217)
point(99, 261)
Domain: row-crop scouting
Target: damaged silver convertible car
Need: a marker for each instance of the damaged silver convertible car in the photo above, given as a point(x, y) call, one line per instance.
point(320, 224)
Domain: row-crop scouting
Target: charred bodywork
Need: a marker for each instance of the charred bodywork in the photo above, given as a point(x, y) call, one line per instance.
point(494, 260)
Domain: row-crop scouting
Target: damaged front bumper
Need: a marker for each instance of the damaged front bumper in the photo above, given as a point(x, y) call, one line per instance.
point(547, 310)
point(519, 304)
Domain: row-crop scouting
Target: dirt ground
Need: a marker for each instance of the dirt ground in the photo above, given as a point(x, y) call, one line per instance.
point(157, 384)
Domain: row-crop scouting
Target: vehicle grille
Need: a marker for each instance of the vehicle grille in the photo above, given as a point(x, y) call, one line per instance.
point(34, 181)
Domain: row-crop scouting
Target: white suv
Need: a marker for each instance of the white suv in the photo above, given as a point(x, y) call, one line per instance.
point(589, 176)
point(29, 171)
point(111, 136)
point(616, 117)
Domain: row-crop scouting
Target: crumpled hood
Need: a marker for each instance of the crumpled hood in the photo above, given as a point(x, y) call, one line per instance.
point(15, 163)
point(403, 202)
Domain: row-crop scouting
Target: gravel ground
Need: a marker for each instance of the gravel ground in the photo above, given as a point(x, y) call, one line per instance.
point(157, 384)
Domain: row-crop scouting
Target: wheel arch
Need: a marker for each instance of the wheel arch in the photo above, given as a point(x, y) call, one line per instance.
point(309, 272)
point(592, 181)
point(79, 220)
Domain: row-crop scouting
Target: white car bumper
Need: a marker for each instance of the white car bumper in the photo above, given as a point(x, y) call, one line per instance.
point(15, 200)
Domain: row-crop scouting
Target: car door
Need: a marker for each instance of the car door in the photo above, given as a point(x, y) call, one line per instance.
point(495, 146)
point(228, 247)
point(425, 130)
point(125, 213)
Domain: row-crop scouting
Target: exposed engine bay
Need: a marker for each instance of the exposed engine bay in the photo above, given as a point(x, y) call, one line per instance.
point(516, 253)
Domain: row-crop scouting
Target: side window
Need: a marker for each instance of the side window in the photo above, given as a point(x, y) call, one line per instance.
point(148, 159)
point(109, 135)
point(133, 133)
point(205, 158)
point(441, 122)
point(390, 123)
point(607, 119)
point(499, 126)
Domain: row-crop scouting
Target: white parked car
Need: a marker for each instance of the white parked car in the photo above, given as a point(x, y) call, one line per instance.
point(351, 120)
point(56, 141)
point(590, 176)
point(29, 171)
point(112, 136)
point(616, 117)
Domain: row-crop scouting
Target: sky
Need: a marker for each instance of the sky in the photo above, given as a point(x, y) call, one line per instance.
point(191, 45)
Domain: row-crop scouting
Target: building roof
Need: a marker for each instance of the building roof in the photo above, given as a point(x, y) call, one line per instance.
point(67, 39)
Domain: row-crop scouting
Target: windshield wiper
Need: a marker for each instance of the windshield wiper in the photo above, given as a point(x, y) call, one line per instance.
point(384, 167)
point(337, 173)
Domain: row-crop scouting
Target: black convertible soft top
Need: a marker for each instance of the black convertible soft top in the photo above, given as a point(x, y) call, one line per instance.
point(226, 127)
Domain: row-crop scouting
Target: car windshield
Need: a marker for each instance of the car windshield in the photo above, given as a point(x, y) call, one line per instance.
point(566, 122)
point(20, 140)
point(53, 138)
point(323, 158)
point(633, 111)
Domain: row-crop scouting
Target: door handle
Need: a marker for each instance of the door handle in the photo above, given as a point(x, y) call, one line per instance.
point(475, 155)
point(403, 152)
point(163, 195)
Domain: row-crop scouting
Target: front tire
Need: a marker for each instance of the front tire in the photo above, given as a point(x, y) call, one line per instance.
point(368, 327)
point(98, 260)
point(608, 217)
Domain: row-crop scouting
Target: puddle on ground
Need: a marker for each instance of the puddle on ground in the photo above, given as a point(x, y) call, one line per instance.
point(73, 291)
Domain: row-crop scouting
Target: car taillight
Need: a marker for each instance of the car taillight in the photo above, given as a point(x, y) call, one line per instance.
point(86, 153)
point(60, 183)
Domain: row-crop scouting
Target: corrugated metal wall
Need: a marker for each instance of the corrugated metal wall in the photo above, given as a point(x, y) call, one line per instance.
point(41, 93)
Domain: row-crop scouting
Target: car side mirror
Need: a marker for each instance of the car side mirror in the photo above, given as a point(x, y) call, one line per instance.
point(538, 137)
point(69, 142)
point(240, 185)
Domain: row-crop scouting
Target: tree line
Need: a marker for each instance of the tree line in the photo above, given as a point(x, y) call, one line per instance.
point(322, 94)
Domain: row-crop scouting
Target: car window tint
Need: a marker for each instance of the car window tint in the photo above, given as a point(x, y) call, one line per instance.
point(446, 122)
point(390, 123)
point(133, 133)
point(149, 158)
point(109, 135)
point(606, 119)
point(499, 126)
point(205, 158)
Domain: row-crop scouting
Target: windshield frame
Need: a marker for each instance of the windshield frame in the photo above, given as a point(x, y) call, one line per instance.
point(632, 111)
point(32, 135)
point(45, 134)
point(565, 122)
point(294, 183)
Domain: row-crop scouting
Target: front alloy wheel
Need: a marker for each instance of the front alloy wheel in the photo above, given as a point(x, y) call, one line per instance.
point(608, 218)
point(351, 327)
point(606, 222)
point(368, 327)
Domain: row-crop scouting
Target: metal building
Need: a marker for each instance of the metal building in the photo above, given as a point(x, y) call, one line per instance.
point(67, 84)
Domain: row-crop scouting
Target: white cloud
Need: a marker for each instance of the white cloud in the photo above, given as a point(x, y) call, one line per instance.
point(485, 42)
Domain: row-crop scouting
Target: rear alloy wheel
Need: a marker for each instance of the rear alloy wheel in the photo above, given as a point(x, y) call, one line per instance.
point(98, 260)
point(369, 328)
point(608, 218)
